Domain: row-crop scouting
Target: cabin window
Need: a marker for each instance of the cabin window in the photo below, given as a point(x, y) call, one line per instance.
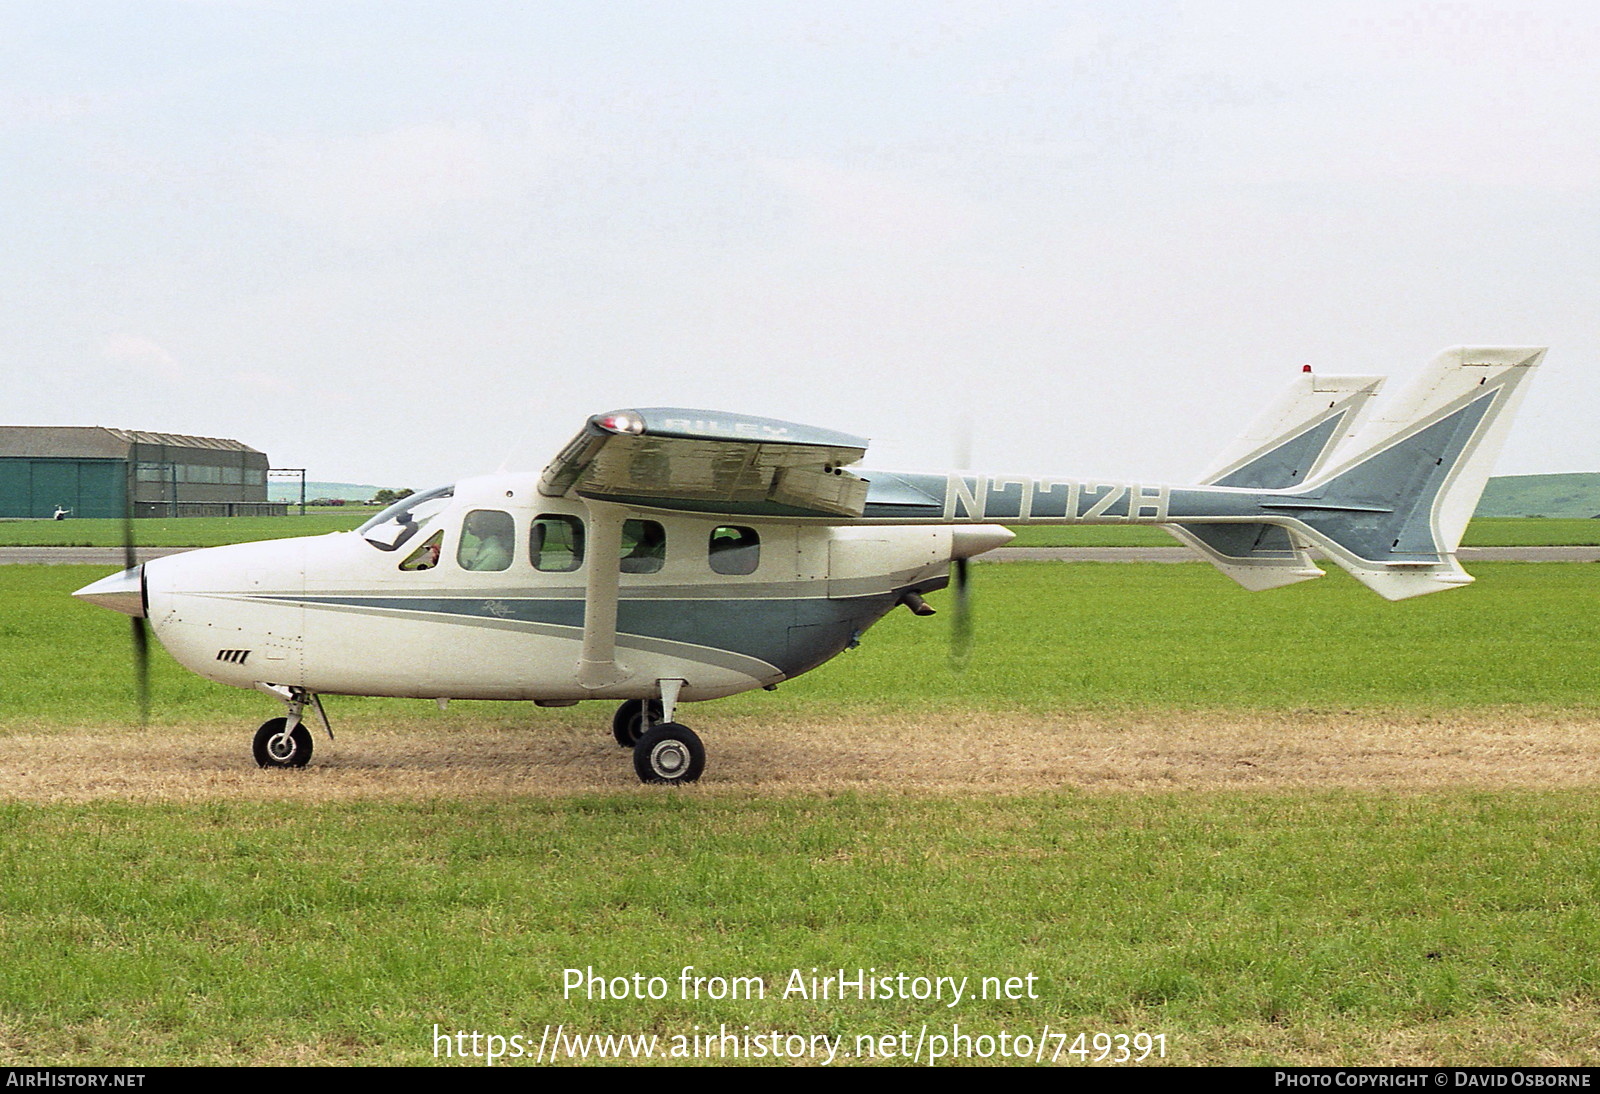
point(556, 543)
point(486, 538)
point(735, 550)
point(425, 557)
point(644, 546)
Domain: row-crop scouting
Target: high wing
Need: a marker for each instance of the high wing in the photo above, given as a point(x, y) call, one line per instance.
point(695, 461)
point(702, 461)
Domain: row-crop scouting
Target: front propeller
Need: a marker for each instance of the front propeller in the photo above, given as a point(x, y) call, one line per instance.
point(140, 636)
point(125, 592)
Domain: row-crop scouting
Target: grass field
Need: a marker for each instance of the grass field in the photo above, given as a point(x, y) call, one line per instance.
point(180, 532)
point(1052, 638)
point(1305, 826)
point(1341, 928)
point(215, 531)
point(1483, 532)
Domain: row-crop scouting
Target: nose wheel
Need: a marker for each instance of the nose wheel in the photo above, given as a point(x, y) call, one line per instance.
point(670, 753)
point(277, 745)
point(286, 742)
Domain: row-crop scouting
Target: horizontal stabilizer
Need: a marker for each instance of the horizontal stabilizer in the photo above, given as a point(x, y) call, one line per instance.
point(1284, 448)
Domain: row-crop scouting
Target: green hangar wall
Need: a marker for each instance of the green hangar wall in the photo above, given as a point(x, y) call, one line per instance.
point(98, 472)
point(34, 487)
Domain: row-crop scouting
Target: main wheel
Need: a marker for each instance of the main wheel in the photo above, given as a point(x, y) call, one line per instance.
point(669, 753)
point(275, 748)
point(628, 723)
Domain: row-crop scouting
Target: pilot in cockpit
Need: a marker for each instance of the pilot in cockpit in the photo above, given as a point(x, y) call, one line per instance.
point(485, 540)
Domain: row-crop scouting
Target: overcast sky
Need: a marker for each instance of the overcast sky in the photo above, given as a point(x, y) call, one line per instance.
point(399, 243)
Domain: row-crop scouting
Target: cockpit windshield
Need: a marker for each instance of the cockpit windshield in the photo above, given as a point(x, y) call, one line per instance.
point(390, 529)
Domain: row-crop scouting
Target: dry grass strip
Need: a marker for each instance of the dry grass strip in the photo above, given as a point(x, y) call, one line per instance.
point(946, 754)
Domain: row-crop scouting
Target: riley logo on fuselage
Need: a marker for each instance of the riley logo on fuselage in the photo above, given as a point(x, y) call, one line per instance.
point(980, 497)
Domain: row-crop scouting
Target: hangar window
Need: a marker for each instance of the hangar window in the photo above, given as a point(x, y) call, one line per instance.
point(486, 539)
point(735, 550)
point(644, 546)
point(392, 528)
point(556, 543)
point(199, 473)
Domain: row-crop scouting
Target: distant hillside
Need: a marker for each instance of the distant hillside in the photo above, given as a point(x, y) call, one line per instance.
point(289, 490)
point(1572, 496)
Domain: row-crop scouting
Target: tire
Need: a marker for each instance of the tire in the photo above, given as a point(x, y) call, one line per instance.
point(627, 725)
point(670, 754)
point(272, 749)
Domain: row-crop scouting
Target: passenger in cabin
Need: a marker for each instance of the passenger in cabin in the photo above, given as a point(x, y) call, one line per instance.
point(649, 546)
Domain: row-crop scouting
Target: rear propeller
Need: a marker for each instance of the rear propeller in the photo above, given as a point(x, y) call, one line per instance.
point(960, 614)
point(960, 571)
point(966, 542)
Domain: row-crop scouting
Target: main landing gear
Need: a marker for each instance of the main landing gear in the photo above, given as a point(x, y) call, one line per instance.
point(663, 750)
point(633, 718)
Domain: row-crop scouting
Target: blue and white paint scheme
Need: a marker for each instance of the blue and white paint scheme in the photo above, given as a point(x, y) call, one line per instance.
point(670, 555)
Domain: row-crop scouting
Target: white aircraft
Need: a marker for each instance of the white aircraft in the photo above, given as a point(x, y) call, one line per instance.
point(670, 556)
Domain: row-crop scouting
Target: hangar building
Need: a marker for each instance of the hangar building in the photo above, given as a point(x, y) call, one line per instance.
point(92, 471)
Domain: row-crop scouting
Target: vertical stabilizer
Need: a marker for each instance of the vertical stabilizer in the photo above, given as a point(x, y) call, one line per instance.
point(1393, 505)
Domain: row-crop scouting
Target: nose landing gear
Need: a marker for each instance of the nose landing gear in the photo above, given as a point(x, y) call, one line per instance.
point(278, 745)
point(285, 742)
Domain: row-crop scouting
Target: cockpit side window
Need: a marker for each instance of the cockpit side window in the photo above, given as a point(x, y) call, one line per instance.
point(556, 543)
point(734, 550)
point(390, 529)
point(486, 539)
point(644, 547)
point(425, 557)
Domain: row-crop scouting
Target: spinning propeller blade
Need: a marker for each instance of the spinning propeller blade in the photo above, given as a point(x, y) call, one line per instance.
point(966, 542)
point(140, 638)
point(960, 614)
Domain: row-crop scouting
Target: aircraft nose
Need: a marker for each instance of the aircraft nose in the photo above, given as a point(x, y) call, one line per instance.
point(969, 540)
point(122, 592)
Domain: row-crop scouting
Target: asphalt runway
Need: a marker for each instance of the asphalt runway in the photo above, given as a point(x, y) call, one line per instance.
point(112, 556)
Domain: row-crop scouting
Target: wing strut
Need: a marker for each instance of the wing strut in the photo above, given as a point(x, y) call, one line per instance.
point(597, 664)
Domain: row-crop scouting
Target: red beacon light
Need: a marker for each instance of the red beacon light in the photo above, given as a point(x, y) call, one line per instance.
point(622, 422)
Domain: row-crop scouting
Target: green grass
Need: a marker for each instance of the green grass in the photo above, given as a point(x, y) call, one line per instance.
point(1532, 532)
point(180, 532)
point(1050, 637)
point(1247, 929)
point(216, 531)
point(1482, 532)
point(1253, 928)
